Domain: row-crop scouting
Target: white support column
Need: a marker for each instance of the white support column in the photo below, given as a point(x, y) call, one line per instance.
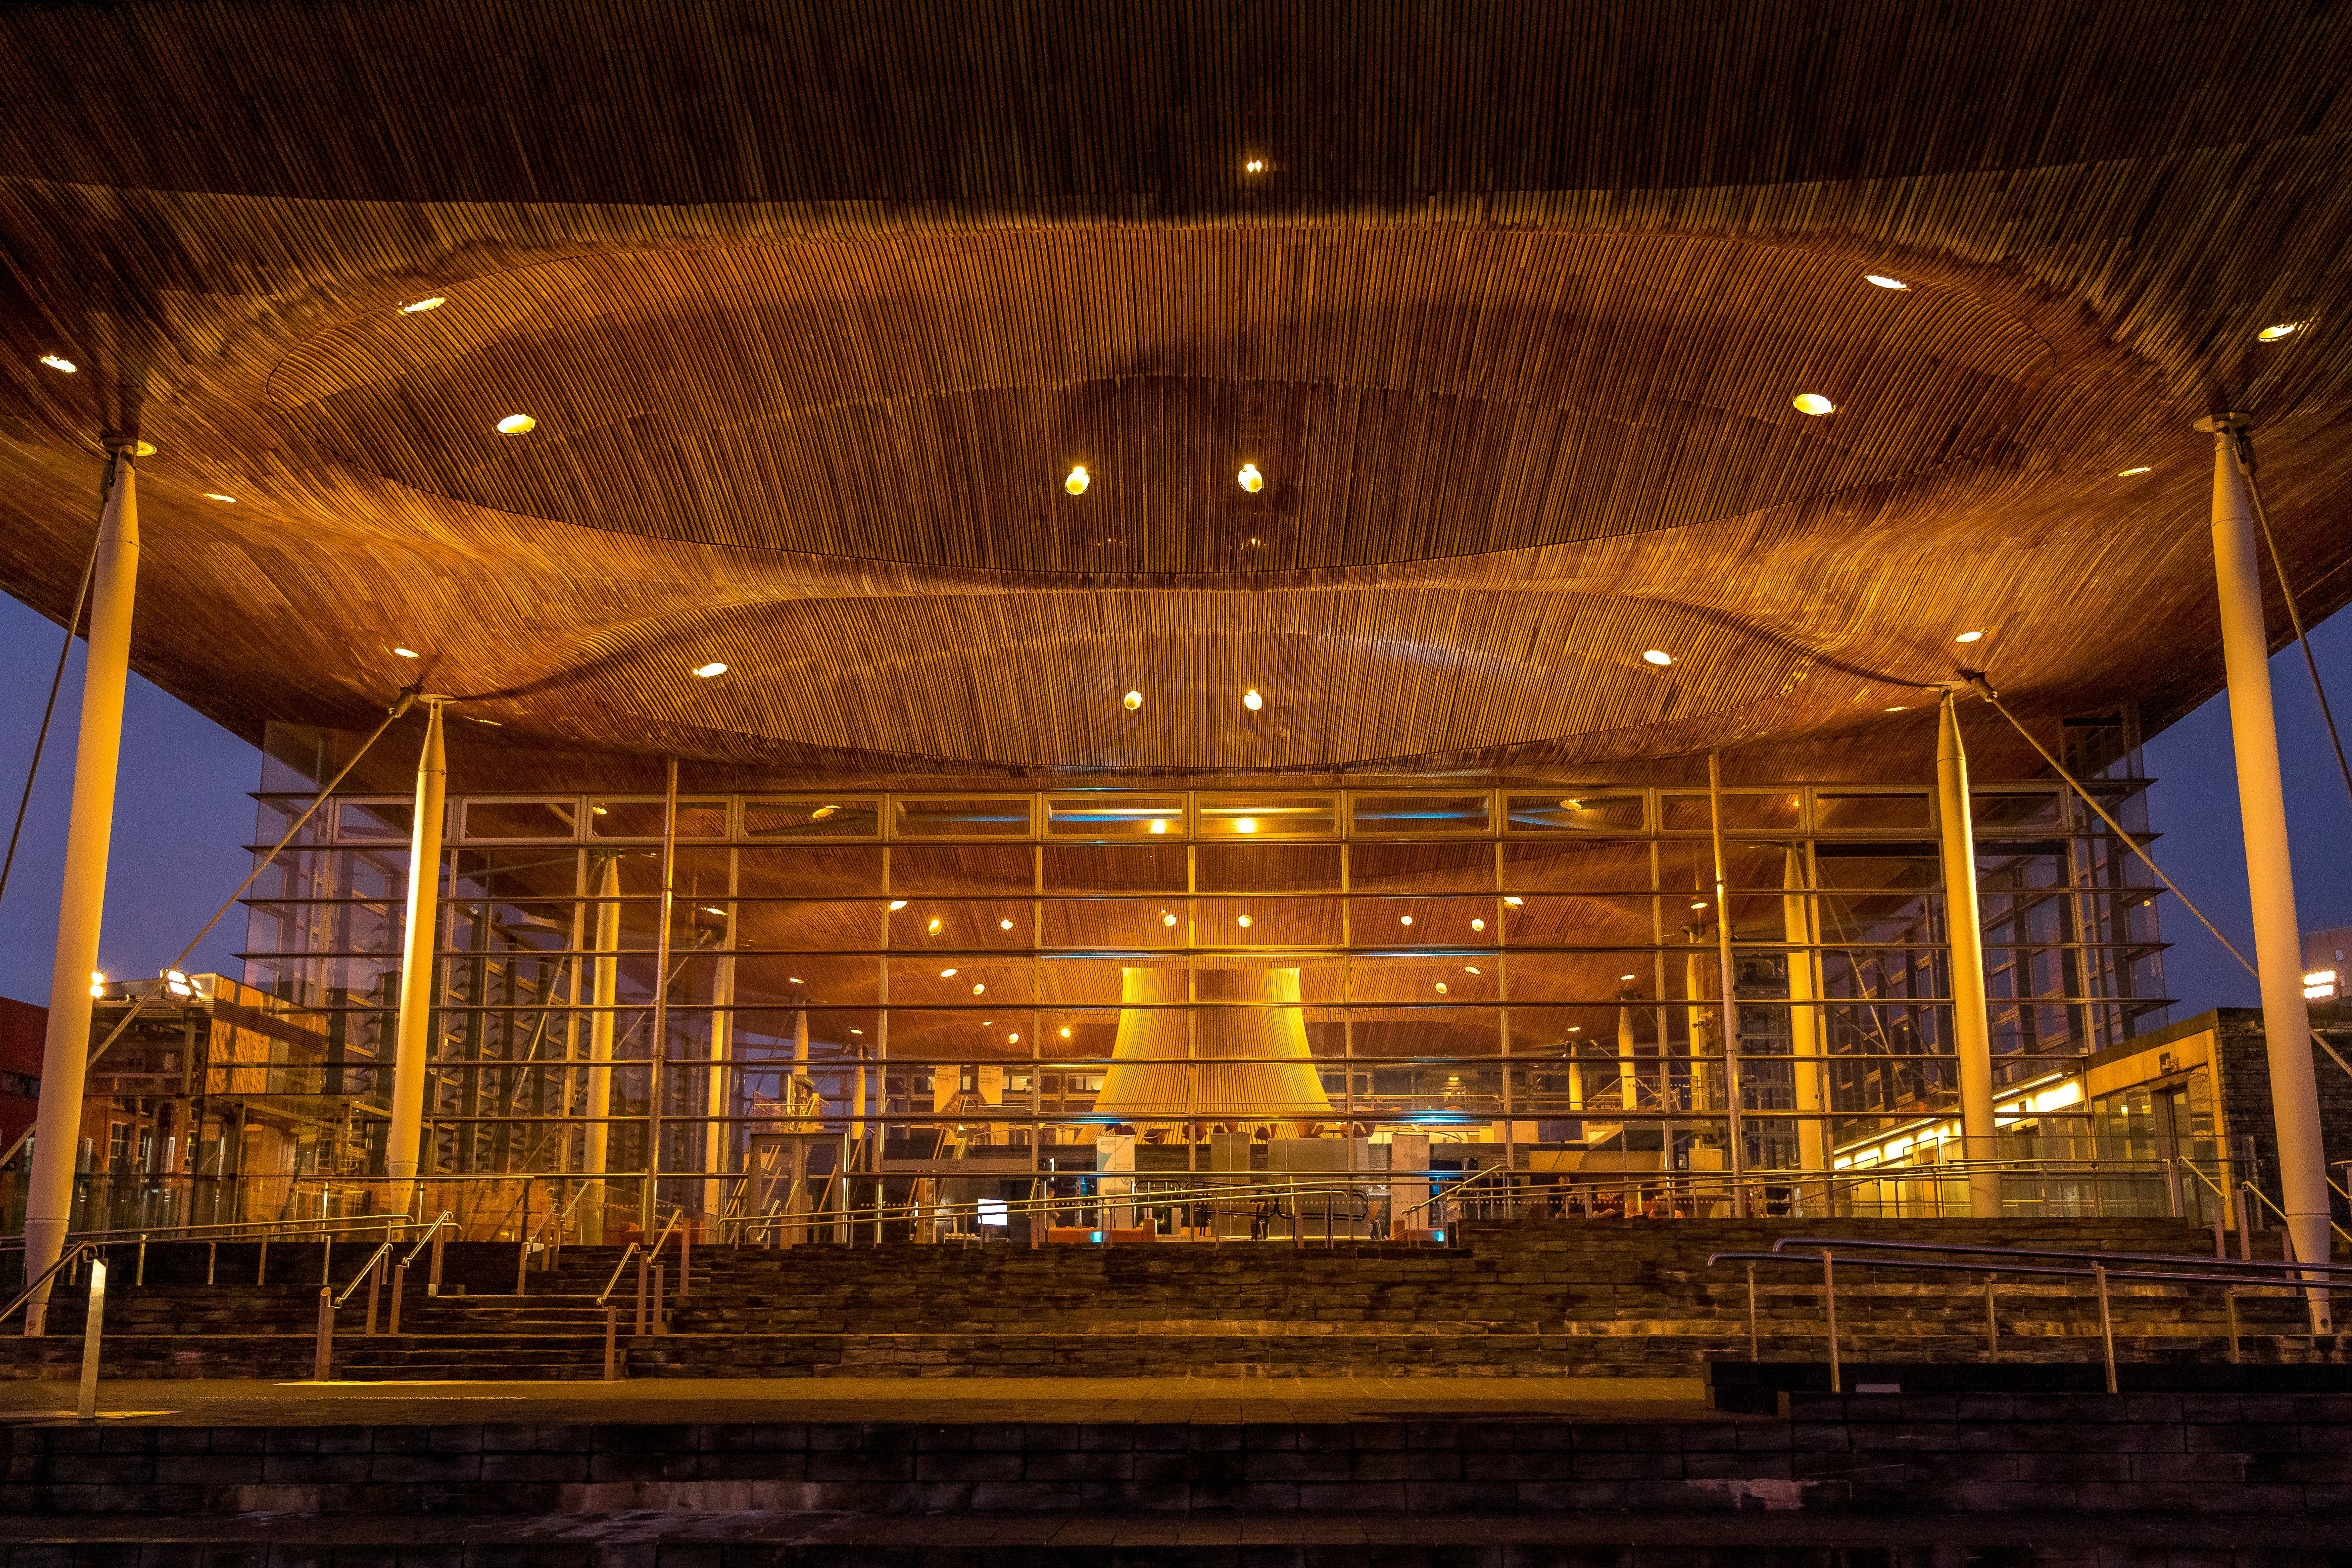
point(65, 1055)
point(412, 1027)
point(2270, 878)
point(1964, 926)
point(604, 996)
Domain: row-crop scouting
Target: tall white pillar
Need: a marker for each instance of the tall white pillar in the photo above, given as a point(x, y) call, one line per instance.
point(65, 1055)
point(1807, 1025)
point(2270, 879)
point(412, 1027)
point(1964, 927)
point(604, 997)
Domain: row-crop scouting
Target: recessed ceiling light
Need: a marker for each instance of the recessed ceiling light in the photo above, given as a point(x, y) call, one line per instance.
point(1079, 480)
point(1625, 977)
point(58, 362)
point(1158, 825)
point(947, 974)
point(143, 449)
point(1167, 920)
point(822, 812)
point(707, 671)
point(1658, 657)
point(898, 904)
point(2268, 334)
point(977, 990)
point(406, 652)
point(517, 425)
point(216, 495)
point(933, 928)
point(856, 1031)
point(431, 302)
point(1441, 988)
point(1813, 402)
point(1065, 1031)
point(1898, 708)
point(1699, 906)
point(1514, 901)
point(1477, 925)
point(1011, 1039)
point(1004, 926)
point(1969, 636)
point(2128, 473)
point(1246, 824)
point(1246, 921)
point(1255, 166)
point(1251, 480)
point(1469, 969)
point(1133, 700)
point(1404, 919)
point(792, 979)
point(1885, 282)
point(1252, 700)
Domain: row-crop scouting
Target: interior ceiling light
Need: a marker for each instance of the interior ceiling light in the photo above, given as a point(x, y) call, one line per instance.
point(431, 302)
point(1079, 480)
point(934, 927)
point(1477, 925)
point(707, 671)
point(1469, 969)
point(1011, 1039)
point(977, 990)
point(1441, 988)
point(822, 812)
point(1004, 926)
point(597, 809)
point(1167, 920)
point(216, 495)
point(1158, 825)
point(856, 1031)
point(1699, 906)
point(713, 910)
point(1898, 708)
point(898, 904)
point(58, 362)
point(947, 974)
point(1255, 166)
point(1885, 282)
point(1969, 636)
point(517, 425)
point(2268, 334)
point(1813, 402)
point(412, 653)
point(143, 449)
point(1624, 977)
point(1658, 657)
point(1251, 480)
point(2128, 473)
point(1246, 824)
point(1515, 902)
point(1246, 922)
point(1065, 1031)
point(1404, 919)
point(792, 980)
point(1252, 700)
point(1133, 700)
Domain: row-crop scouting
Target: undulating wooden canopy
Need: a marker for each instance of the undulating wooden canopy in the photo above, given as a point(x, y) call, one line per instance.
point(817, 307)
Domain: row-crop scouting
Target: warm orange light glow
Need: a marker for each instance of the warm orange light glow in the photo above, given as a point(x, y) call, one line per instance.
point(1813, 402)
point(1079, 480)
point(517, 425)
point(431, 302)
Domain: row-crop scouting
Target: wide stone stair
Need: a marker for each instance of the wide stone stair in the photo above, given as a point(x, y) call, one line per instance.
point(1598, 1298)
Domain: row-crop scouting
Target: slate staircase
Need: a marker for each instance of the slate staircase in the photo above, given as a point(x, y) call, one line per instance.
point(1629, 1298)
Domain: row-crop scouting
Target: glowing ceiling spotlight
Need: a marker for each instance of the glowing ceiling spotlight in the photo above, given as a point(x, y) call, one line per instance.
point(947, 974)
point(1813, 402)
point(1065, 1031)
point(2128, 473)
point(1004, 926)
point(1252, 700)
point(2268, 334)
point(898, 904)
point(1969, 636)
point(1247, 922)
point(1255, 166)
point(1166, 919)
point(1133, 700)
point(430, 302)
point(1657, 656)
point(1158, 825)
point(1478, 925)
point(1250, 479)
point(933, 929)
point(517, 425)
point(1883, 281)
point(216, 495)
point(412, 653)
point(707, 671)
point(58, 362)
point(1079, 480)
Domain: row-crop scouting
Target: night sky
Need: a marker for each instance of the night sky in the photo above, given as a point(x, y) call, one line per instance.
point(183, 815)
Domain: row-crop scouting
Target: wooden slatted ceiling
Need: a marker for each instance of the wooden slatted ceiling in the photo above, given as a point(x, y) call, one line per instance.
point(816, 305)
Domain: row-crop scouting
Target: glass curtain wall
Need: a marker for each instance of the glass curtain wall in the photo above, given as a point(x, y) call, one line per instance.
point(881, 982)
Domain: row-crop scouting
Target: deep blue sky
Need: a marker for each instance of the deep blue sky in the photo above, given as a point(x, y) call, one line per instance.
point(183, 816)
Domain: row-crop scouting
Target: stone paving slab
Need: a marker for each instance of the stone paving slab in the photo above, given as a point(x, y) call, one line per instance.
point(218, 1403)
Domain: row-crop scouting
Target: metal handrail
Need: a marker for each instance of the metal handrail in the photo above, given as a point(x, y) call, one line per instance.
point(663, 1240)
point(273, 1228)
point(361, 1277)
point(443, 1217)
point(609, 1285)
point(1788, 1243)
point(1214, 1197)
point(64, 1257)
point(2264, 1199)
point(2253, 1281)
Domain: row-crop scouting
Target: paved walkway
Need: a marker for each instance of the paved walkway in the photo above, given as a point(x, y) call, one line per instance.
point(205, 1402)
